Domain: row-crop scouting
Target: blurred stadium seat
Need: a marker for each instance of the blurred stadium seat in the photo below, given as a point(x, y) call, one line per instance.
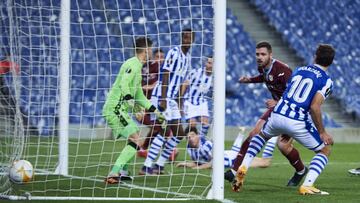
point(298, 22)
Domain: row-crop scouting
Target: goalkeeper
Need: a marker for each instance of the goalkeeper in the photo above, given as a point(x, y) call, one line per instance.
point(125, 94)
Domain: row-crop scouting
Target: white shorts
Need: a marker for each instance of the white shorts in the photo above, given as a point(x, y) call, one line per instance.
point(193, 111)
point(302, 131)
point(172, 111)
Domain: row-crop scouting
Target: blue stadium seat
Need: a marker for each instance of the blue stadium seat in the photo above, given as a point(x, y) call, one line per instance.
point(97, 52)
point(289, 19)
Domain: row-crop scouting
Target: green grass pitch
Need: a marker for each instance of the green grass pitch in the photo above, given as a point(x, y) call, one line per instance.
point(261, 185)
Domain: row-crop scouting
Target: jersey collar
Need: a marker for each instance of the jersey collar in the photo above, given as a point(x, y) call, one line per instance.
point(269, 69)
point(321, 67)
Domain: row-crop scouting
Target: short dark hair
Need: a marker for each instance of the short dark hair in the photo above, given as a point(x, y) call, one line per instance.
point(188, 30)
point(324, 54)
point(141, 43)
point(158, 51)
point(191, 129)
point(264, 44)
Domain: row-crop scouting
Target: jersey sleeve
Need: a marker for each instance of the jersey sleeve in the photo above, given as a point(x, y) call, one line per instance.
point(190, 76)
point(127, 77)
point(206, 150)
point(171, 60)
point(141, 99)
point(327, 89)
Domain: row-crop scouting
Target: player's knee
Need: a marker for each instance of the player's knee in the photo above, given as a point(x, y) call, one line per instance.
point(134, 145)
point(326, 150)
point(134, 140)
point(285, 147)
point(254, 132)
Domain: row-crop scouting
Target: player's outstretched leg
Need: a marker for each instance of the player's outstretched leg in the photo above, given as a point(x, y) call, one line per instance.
point(255, 146)
point(287, 149)
point(230, 174)
point(317, 165)
point(126, 155)
point(267, 155)
point(153, 153)
point(169, 147)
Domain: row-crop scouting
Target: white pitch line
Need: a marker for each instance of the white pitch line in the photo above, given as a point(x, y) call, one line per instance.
point(126, 184)
point(139, 187)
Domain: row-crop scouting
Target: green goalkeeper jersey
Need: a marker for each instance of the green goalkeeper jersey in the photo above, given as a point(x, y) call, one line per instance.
point(127, 82)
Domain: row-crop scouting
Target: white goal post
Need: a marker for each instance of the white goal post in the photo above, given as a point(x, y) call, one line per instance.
point(69, 54)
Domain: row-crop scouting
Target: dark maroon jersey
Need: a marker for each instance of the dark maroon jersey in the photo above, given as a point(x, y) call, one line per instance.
point(275, 77)
point(150, 74)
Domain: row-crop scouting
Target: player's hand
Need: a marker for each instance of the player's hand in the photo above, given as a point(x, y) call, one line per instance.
point(139, 116)
point(244, 79)
point(159, 116)
point(130, 100)
point(163, 104)
point(181, 164)
point(270, 103)
point(326, 138)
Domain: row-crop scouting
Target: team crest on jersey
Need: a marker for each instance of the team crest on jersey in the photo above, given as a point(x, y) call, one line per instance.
point(271, 77)
point(128, 70)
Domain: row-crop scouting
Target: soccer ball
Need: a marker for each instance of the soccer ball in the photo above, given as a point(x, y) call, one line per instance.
point(21, 171)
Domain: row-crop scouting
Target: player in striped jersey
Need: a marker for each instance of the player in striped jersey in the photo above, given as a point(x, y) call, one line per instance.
point(166, 95)
point(200, 151)
point(275, 75)
point(197, 85)
point(298, 113)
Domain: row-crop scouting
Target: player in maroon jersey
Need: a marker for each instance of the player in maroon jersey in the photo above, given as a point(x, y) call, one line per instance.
point(150, 74)
point(275, 75)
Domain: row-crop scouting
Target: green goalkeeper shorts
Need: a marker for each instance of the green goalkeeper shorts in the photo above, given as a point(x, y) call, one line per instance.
point(120, 122)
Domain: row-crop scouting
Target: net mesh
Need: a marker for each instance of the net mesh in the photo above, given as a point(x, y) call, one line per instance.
point(102, 37)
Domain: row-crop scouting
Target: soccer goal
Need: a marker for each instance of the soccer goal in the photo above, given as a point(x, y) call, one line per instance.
point(68, 54)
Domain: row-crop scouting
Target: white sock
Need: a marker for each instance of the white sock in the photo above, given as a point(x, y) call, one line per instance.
point(255, 146)
point(154, 150)
point(269, 148)
point(169, 147)
point(317, 165)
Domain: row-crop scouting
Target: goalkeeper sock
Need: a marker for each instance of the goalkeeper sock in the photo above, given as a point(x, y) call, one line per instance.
point(204, 130)
point(125, 157)
point(317, 165)
point(154, 150)
point(169, 147)
point(269, 148)
point(256, 144)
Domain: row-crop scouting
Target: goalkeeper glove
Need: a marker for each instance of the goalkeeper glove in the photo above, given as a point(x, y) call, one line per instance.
point(159, 116)
point(130, 100)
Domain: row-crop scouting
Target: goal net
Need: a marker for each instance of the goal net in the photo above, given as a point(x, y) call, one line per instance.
point(102, 34)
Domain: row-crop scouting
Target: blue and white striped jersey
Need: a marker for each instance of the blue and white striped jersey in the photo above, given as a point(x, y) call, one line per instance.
point(203, 153)
point(305, 82)
point(177, 63)
point(200, 84)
